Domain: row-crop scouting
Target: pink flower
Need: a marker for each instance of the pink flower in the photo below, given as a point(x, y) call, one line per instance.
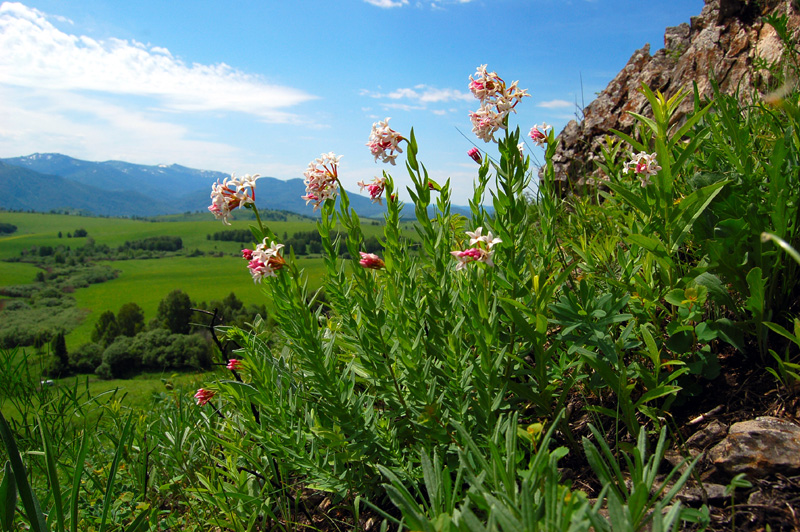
point(247, 254)
point(203, 396)
point(234, 364)
point(384, 142)
point(233, 192)
point(644, 165)
point(475, 153)
point(472, 255)
point(322, 179)
point(375, 188)
point(539, 133)
point(265, 260)
point(371, 261)
point(482, 252)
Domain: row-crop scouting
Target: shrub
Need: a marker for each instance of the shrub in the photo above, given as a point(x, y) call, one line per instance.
point(86, 358)
point(120, 359)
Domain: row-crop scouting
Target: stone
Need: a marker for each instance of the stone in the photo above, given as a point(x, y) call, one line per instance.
point(759, 448)
point(709, 435)
point(723, 42)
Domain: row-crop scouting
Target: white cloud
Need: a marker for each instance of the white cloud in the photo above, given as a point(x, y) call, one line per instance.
point(418, 97)
point(89, 128)
point(387, 3)
point(36, 55)
point(555, 104)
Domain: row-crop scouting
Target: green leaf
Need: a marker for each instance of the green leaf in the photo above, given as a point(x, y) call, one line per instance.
point(654, 246)
point(80, 462)
point(8, 498)
point(52, 476)
point(675, 297)
point(139, 523)
point(783, 332)
point(29, 501)
point(688, 210)
point(635, 144)
point(705, 333)
point(755, 302)
point(637, 202)
point(107, 500)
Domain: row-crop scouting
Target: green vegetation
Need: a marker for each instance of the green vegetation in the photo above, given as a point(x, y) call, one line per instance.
point(526, 368)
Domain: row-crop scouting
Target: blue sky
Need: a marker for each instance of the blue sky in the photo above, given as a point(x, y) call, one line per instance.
point(267, 86)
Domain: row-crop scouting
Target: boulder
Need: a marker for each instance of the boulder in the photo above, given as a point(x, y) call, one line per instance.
point(759, 448)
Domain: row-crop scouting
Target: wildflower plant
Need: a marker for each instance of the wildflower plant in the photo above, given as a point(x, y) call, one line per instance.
point(433, 348)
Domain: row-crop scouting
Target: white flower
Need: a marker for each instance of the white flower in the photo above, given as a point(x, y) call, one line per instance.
point(322, 179)
point(644, 165)
point(265, 260)
point(384, 142)
point(233, 192)
point(487, 239)
point(497, 101)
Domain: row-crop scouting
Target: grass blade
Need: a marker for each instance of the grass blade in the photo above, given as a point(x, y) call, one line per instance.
point(8, 498)
point(29, 501)
point(52, 476)
point(76, 481)
point(113, 471)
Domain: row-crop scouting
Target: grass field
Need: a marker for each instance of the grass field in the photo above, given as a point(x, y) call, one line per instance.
point(17, 273)
point(39, 229)
point(147, 282)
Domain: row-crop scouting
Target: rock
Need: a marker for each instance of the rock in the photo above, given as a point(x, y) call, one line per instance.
point(759, 448)
point(709, 435)
point(723, 42)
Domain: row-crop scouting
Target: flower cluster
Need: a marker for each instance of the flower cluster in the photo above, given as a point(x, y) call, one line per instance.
point(371, 261)
point(203, 396)
point(644, 165)
point(384, 142)
point(234, 364)
point(264, 261)
point(481, 253)
point(497, 101)
point(538, 133)
point(375, 188)
point(322, 179)
point(233, 192)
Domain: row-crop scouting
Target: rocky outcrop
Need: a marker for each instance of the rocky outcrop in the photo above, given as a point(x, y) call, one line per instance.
point(724, 43)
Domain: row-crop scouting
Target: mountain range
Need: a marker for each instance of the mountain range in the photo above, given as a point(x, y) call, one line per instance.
point(48, 181)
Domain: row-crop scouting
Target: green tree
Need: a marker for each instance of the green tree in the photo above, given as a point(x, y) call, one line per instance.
point(130, 319)
point(106, 329)
point(61, 356)
point(175, 312)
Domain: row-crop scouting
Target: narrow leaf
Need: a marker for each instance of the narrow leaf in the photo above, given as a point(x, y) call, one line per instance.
point(29, 500)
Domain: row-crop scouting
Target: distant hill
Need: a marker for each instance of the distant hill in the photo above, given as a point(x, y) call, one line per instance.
point(23, 189)
point(119, 175)
point(46, 181)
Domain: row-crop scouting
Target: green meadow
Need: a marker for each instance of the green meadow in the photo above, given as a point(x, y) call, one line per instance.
point(147, 281)
point(16, 273)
